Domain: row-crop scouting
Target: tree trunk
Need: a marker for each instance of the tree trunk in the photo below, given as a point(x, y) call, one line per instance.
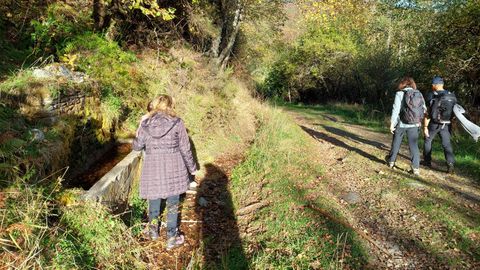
point(223, 56)
point(389, 32)
point(215, 49)
point(99, 14)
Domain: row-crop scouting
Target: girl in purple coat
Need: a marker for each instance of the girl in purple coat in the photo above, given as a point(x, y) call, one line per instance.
point(167, 165)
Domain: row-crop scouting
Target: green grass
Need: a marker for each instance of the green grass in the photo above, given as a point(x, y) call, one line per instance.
point(104, 235)
point(18, 82)
point(107, 63)
point(352, 114)
point(461, 225)
point(295, 236)
point(44, 227)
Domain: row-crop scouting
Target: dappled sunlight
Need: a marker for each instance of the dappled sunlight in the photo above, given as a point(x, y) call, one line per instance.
point(287, 106)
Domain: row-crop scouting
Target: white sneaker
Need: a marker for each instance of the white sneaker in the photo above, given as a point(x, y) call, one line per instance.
point(175, 241)
point(192, 186)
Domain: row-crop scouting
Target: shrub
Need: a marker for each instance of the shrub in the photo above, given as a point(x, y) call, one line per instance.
point(63, 22)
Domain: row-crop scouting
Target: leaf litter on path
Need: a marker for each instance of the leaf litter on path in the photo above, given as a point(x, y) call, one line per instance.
point(207, 221)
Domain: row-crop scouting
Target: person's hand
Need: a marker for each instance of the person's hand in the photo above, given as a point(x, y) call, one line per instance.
point(426, 133)
point(194, 173)
point(392, 129)
point(144, 117)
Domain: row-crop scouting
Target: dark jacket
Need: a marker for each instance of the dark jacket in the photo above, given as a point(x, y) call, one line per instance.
point(168, 157)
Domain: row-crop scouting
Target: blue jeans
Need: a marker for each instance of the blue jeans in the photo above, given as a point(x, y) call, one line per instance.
point(412, 136)
point(156, 207)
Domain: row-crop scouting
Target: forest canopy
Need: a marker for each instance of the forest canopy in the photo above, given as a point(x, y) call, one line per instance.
point(355, 51)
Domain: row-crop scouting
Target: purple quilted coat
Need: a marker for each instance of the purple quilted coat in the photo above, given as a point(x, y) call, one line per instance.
point(168, 158)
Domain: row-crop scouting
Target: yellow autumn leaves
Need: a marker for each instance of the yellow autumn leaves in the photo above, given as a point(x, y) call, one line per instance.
point(151, 8)
point(329, 11)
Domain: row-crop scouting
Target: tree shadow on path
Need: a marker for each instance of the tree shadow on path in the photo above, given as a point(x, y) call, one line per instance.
point(323, 136)
point(222, 246)
point(355, 137)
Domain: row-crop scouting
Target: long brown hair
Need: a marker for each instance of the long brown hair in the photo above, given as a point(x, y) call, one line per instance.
point(164, 104)
point(407, 82)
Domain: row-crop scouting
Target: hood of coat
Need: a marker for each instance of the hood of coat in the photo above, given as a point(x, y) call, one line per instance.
point(159, 124)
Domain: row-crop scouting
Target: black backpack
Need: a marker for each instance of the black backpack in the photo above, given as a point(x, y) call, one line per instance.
point(441, 107)
point(412, 111)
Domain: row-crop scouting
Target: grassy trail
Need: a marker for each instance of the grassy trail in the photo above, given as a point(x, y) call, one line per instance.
point(432, 221)
point(264, 209)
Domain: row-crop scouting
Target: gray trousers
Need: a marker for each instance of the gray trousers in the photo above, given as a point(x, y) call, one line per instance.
point(412, 136)
point(156, 207)
point(444, 132)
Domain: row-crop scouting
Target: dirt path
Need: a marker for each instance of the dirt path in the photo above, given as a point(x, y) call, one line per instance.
point(429, 222)
point(207, 220)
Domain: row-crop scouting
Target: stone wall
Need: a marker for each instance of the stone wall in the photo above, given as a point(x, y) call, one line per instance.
point(68, 104)
point(47, 109)
point(114, 188)
point(73, 108)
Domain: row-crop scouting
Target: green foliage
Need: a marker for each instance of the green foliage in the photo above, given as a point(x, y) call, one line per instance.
point(17, 83)
point(260, 37)
point(29, 227)
point(12, 56)
point(111, 105)
point(124, 86)
point(138, 209)
point(442, 53)
point(151, 8)
point(24, 227)
point(106, 62)
point(43, 234)
point(313, 68)
point(17, 148)
point(104, 235)
point(71, 254)
point(380, 42)
point(62, 22)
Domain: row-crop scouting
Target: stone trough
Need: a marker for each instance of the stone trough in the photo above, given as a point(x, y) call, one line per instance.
point(113, 189)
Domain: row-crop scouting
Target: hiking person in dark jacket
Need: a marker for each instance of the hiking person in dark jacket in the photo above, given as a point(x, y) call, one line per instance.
point(440, 104)
point(407, 114)
point(167, 165)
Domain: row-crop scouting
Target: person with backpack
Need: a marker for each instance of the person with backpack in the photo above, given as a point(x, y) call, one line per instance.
point(407, 114)
point(167, 165)
point(438, 121)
